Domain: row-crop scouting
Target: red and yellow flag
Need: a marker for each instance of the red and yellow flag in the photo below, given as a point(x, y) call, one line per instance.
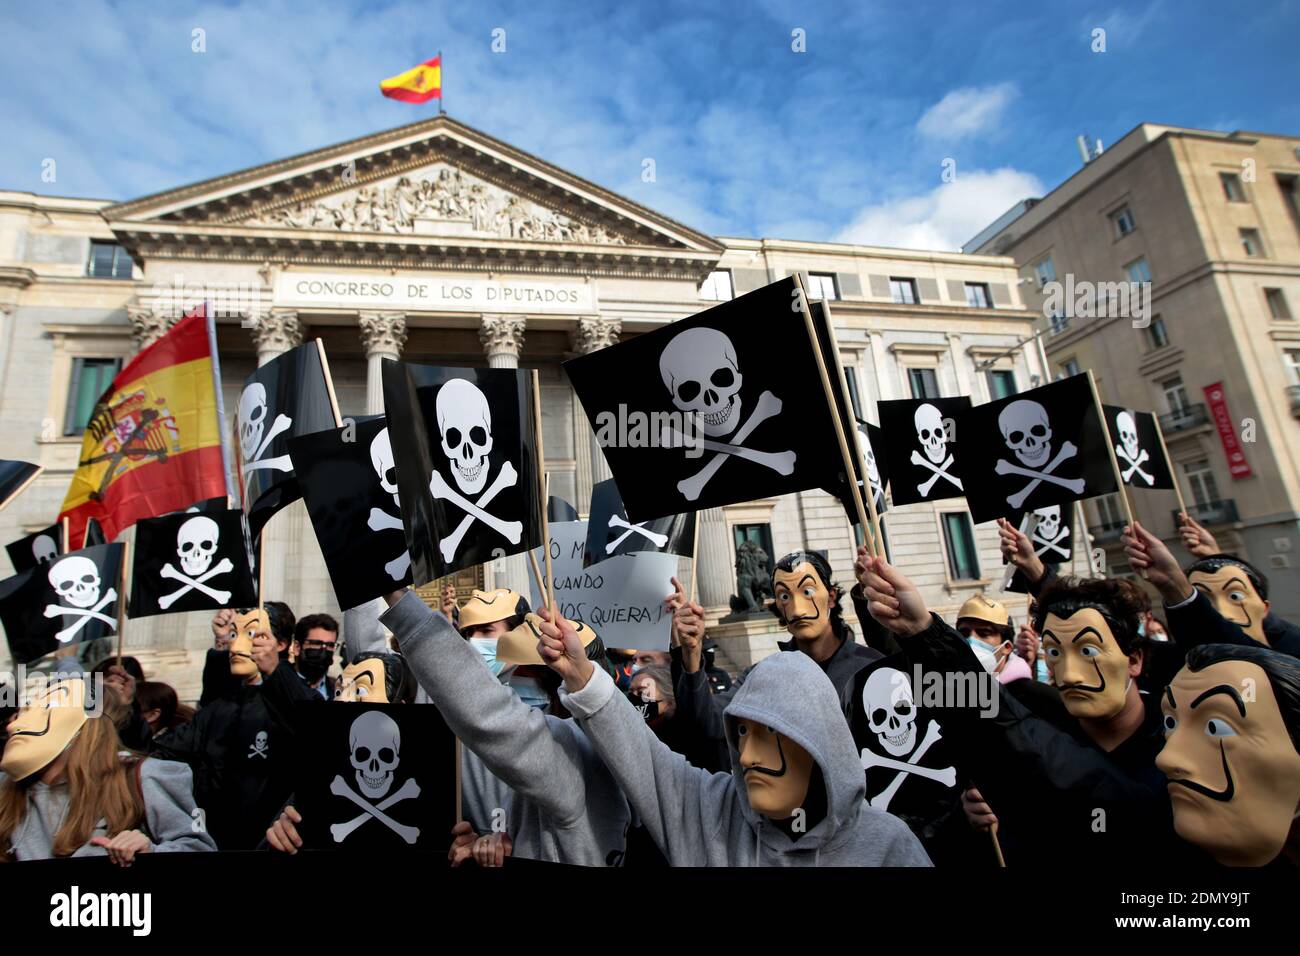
point(419, 84)
point(153, 443)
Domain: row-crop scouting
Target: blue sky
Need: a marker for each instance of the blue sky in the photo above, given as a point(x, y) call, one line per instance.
point(845, 141)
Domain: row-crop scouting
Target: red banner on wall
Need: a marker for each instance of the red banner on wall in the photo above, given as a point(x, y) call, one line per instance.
point(1238, 467)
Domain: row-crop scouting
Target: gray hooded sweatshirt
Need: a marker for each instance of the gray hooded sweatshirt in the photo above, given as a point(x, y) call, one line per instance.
point(703, 819)
point(169, 818)
point(565, 806)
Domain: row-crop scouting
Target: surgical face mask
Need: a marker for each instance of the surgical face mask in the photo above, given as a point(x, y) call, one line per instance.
point(1040, 667)
point(314, 662)
point(987, 658)
point(487, 649)
point(530, 692)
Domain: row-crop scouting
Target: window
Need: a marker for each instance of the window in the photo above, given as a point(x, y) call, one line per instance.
point(1069, 368)
point(1123, 221)
point(1002, 382)
point(108, 260)
point(1292, 359)
point(1045, 272)
point(759, 534)
point(851, 380)
point(821, 285)
point(1157, 334)
point(1250, 243)
point(925, 384)
point(1175, 395)
point(977, 295)
point(859, 539)
point(1109, 515)
point(959, 541)
point(1232, 190)
point(1059, 323)
point(1205, 490)
point(90, 379)
point(717, 287)
point(1277, 306)
point(903, 290)
point(1139, 271)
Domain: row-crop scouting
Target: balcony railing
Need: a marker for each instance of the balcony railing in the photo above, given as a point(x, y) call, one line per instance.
point(1189, 416)
point(1106, 531)
point(1293, 393)
point(1212, 512)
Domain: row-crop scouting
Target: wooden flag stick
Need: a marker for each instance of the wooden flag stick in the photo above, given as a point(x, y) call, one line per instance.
point(537, 574)
point(695, 560)
point(850, 472)
point(21, 488)
point(66, 524)
point(874, 541)
point(123, 583)
point(1110, 449)
point(997, 846)
point(1169, 463)
point(261, 565)
point(1081, 514)
point(543, 484)
point(329, 383)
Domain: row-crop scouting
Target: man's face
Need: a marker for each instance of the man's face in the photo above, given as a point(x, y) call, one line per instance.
point(1234, 775)
point(1235, 598)
point(644, 687)
point(650, 658)
point(41, 731)
point(804, 602)
point(492, 629)
point(990, 634)
point(363, 682)
point(319, 639)
point(1087, 665)
point(777, 770)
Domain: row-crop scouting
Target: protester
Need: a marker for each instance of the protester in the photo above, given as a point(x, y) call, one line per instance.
point(67, 788)
point(796, 789)
point(124, 676)
point(315, 639)
point(987, 627)
point(161, 708)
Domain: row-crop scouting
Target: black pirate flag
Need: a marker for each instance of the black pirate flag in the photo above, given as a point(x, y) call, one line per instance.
point(1043, 447)
point(557, 509)
point(191, 562)
point(284, 398)
point(722, 407)
point(71, 600)
point(1135, 436)
point(349, 483)
point(38, 548)
point(869, 439)
point(94, 534)
point(374, 777)
point(925, 454)
point(463, 444)
point(610, 533)
point(1052, 538)
point(208, 506)
point(908, 764)
point(15, 476)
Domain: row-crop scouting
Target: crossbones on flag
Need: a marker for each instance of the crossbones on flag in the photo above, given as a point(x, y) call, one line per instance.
point(40, 547)
point(349, 484)
point(722, 407)
point(71, 600)
point(191, 562)
point(284, 398)
point(610, 533)
point(465, 453)
point(907, 762)
point(925, 453)
point(14, 477)
point(374, 777)
point(1135, 436)
point(1051, 536)
point(1046, 446)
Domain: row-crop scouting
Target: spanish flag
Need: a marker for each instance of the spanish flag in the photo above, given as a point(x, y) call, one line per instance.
point(419, 84)
point(153, 442)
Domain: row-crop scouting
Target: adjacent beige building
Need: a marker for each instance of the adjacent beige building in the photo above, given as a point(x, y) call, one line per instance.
point(1212, 220)
point(364, 245)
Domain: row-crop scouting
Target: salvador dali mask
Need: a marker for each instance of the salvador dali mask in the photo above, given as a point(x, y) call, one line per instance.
point(247, 628)
point(45, 728)
point(1087, 665)
point(1234, 774)
point(777, 770)
point(363, 682)
point(519, 646)
point(1235, 598)
point(803, 601)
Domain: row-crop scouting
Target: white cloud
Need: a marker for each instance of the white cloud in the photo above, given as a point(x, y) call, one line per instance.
point(965, 111)
point(945, 217)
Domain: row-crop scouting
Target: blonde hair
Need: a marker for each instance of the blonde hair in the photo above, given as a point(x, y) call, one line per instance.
point(100, 787)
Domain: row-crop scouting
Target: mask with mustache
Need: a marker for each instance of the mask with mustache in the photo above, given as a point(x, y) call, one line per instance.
point(1086, 663)
point(777, 770)
point(45, 728)
point(804, 602)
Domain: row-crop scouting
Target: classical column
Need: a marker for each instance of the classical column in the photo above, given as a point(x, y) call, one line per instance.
point(275, 333)
point(715, 579)
point(384, 336)
point(592, 334)
point(148, 323)
point(502, 337)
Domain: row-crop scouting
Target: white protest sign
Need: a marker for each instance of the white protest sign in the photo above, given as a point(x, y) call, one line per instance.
point(621, 598)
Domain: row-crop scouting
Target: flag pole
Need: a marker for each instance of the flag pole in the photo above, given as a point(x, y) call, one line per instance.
point(873, 538)
point(123, 582)
point(537, 574)
point(1164, 450)
point(543, 484)
point(67, 535)
point(442, 102)
point(695, 560)
point(850, 472)
point(1114, 462)
point(329, 383)
point(211, 322)
point(21, 488)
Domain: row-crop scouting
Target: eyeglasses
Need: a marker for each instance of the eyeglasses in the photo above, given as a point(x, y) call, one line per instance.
point(319, 645)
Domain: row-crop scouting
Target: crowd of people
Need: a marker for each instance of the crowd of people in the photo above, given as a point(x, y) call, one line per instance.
point(1115, 737)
